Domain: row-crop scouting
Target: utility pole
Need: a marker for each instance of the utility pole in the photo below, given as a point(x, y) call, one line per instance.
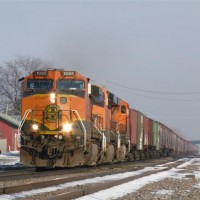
point(13, 96)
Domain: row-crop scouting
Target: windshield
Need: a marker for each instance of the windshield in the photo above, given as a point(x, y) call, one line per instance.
point(39, 84)
point(70, 85)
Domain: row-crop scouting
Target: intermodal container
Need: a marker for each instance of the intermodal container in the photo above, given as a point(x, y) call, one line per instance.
point(156, 135)
point(146, 131)
point(140, 124)
point(133, 126)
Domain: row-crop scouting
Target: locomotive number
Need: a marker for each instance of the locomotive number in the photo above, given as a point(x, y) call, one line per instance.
point(41, 73)
point(68, 73)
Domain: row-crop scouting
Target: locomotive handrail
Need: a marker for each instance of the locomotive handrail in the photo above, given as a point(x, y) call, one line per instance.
point(118, 141)
point(129, 147)
point(23, 120)
point(103, 138)
point(22, 123)
point(84, 129)
point(104, 143)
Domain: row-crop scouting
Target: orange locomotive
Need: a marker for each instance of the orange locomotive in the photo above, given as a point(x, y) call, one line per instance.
point(66, 121)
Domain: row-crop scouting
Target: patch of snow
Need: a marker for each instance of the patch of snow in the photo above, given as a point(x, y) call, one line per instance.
point(166, 164)
point(163, 192)
point(9, 159)
point(183, 159)
point(14, 152)
point(189, 162)
point(197, 185)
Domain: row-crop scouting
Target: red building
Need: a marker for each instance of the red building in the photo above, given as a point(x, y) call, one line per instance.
point(8, 133)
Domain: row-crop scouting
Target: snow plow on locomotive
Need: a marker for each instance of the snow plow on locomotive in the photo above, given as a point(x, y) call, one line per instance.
point(68, 122)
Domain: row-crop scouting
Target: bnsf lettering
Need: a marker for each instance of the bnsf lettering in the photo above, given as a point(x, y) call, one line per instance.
point(41, 73)
point(68, 73)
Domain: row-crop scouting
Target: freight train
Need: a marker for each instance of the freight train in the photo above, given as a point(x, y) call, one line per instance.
point(67, 122)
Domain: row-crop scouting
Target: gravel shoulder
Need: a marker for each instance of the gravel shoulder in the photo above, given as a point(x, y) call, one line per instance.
point(176, 188)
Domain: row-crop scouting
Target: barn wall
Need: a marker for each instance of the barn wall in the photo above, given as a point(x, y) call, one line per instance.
point(3, 145)
point(9, 133)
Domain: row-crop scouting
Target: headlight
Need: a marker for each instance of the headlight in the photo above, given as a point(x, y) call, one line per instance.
point(35, 127)
point(60, 137)
point(67, 127)
point(53, 97)
point(56, 136)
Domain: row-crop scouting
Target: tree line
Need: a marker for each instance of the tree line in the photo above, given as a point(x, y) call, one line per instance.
point(10, 87)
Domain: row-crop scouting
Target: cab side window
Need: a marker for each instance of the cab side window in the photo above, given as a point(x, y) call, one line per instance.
point(97, 96)
point(123, 109)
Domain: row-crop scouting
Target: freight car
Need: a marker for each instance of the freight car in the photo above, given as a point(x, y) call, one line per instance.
point(67, 121)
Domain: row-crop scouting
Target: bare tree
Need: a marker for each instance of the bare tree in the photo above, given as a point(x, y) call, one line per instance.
point(10, 87)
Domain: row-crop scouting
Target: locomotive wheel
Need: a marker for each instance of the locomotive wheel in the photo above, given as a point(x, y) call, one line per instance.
point(109, 156)
point(91, 156)
point(121, 153)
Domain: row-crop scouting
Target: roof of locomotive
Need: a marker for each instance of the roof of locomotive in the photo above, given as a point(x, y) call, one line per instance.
point(44, 73)
point(63, 73)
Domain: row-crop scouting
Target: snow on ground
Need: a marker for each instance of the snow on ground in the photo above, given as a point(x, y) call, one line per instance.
point(133, 186)
point(183, 159)
point(9, 158)
point(163, 192)
point(117, 191)
point(189, 162)
point(82, 182)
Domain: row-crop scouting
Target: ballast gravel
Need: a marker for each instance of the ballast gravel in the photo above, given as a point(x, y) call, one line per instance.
point(186, 188)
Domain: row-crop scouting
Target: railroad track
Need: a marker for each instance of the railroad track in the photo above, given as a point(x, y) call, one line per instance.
point(32, 173)
point(82, 174)
point(76, 192)
point(28, 173)
point(16, 174)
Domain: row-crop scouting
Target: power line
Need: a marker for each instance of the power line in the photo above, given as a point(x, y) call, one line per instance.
point(158, 98)
point(151, 91)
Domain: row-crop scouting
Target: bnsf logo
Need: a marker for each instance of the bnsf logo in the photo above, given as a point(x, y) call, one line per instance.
point(51, 113)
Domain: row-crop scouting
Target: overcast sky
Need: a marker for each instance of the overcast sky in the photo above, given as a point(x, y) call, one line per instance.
point(146, 52)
